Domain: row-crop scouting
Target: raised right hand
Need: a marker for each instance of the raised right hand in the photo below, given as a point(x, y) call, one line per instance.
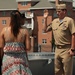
point(45, 13)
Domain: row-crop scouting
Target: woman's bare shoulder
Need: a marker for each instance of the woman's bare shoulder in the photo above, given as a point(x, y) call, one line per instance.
point(4, 29)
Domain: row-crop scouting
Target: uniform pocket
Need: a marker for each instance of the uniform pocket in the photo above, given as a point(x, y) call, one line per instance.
point(63, 27)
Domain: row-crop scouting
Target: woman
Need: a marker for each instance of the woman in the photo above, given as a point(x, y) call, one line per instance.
point(14, 43)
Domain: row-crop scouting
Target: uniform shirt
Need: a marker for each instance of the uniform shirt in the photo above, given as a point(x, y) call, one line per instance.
point(63, 31)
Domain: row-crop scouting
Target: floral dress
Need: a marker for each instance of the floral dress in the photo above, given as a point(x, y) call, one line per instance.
point(14, 60)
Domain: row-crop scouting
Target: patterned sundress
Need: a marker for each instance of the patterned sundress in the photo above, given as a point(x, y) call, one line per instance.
point(14, 60)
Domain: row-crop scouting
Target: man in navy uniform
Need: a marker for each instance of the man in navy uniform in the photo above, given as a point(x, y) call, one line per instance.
point(63, 29)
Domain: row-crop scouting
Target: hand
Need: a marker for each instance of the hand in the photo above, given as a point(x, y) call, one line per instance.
point(71, 52)
point(46, 13)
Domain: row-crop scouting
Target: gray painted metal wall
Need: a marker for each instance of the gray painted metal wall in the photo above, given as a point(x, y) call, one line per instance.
point(43, 63)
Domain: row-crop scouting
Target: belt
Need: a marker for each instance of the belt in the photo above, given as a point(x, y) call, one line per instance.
point(63, 46)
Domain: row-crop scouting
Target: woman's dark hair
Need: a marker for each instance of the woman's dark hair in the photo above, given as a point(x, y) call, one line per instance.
point(15, 23)
point(23, 15)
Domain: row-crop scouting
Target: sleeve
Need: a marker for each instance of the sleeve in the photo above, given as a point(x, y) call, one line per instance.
point(49, 27)
point(72, 26)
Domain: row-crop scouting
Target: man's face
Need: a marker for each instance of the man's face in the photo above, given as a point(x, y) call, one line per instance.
point(60, 13)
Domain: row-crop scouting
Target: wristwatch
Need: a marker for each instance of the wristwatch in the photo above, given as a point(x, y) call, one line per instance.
point(73, 50)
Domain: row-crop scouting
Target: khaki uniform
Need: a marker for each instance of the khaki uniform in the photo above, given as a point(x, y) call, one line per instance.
point(62, 32)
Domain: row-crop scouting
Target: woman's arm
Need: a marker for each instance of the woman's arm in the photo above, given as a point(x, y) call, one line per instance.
point(1, 44)
point(27, 40)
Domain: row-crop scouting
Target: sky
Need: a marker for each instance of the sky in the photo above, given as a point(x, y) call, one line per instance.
point(74, 3)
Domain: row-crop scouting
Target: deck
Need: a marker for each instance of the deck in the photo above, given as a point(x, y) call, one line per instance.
point(42, 63)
